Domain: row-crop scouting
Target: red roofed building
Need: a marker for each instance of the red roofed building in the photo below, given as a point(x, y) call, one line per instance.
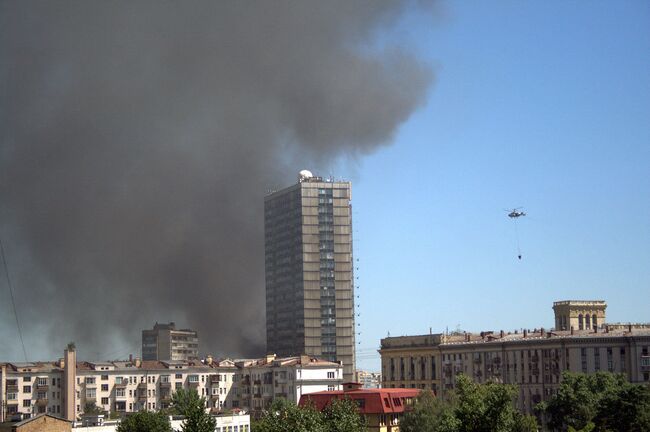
point(382, 408)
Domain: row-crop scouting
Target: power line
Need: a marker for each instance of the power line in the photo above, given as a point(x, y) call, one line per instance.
point(13, 302)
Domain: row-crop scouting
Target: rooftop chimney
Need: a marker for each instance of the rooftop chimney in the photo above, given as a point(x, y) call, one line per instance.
point(501, 333)
point(525, 332)
point(137, 362)
point(61, 363)
point(208, 360)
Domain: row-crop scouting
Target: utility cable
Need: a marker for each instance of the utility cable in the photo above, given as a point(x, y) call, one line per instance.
point(517, 238)
point(13, 302)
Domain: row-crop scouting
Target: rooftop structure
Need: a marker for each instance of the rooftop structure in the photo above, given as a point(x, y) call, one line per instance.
point(382, 408)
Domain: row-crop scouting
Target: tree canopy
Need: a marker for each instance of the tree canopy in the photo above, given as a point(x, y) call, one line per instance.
point(189, 404)
point(600, 402)
point(284, 416)
point(471, 407)
point(145, 421)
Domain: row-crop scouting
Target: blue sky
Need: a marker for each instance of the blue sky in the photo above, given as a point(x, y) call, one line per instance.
point(544, 105)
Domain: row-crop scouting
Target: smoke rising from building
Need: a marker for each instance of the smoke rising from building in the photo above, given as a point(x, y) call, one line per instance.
point(137, 140)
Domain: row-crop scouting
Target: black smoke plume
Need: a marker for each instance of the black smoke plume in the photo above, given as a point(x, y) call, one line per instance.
point(137, 141)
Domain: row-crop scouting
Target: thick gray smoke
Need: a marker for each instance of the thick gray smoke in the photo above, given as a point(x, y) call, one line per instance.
point(137, 141)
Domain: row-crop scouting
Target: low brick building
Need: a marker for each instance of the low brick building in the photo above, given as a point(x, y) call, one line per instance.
point(40, 423)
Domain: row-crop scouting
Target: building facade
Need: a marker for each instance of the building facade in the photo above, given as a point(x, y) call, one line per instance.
point(368, 380)
point(65, 387)
point(165, 342)
point(533, 360)
point(264, 380)
point(309, 271)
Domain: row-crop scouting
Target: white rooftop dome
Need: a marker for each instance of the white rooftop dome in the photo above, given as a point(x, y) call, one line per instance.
point(305, 174)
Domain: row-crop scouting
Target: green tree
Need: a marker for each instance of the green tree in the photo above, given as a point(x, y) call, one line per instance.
point(285, 416)
point(471, 407)
point(92, 409)
point(488, 407)
point(342, 415)
point(429, 414)
point(145, 421)
point(189, 404)
point(603, 401)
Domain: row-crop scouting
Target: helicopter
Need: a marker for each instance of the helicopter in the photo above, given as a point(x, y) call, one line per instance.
point(515, 213)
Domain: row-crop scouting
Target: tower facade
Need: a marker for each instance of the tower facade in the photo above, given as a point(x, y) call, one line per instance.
point(579, 314)
point(309, 271)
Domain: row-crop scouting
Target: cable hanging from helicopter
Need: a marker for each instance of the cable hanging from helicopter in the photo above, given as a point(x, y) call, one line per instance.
point(515, 214)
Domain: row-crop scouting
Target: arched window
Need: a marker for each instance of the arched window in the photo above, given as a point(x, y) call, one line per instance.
point(587, 321)
point(595, 321)
point(580, 324)
point(564, 322)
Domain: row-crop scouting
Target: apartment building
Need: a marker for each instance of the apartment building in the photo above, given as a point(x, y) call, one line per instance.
point(265, 379)
point(368, 380)
point(166, 342)
point(309, 271)
point(534, 360)
point(65, 387)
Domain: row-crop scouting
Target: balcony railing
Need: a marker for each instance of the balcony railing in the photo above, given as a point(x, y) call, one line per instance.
point(193, 383)
point(43, 401)
point(42, 387)
point(164, 384)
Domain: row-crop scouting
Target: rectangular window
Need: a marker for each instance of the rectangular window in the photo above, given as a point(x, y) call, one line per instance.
point(90, 380)
point(164, 378)
point(104, 377)
point(120, 392)
point(27, 379)
point(91, 393)
point(179, 376)
point(42, 381)
point(118, 380)
point(12, 396)
point(27, 403)
point(27, 389)
point(104, 387)
point(104, 401)
point(330, 375)
point(193, 378)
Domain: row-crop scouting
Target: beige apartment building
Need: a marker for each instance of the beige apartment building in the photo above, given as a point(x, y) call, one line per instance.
point(309, 271)
point(63, 388)
point(534, 360)
point(166, 342)
point(263, 380)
